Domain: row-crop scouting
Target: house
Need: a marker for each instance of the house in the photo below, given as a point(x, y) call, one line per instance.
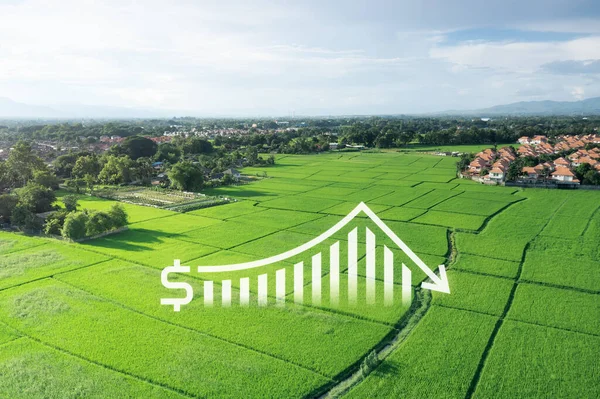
point(538, 140)
point(496, 174)
point(530, 172)
point(157, 165)
point(564, 175)
point(477, 165)
point(523, 140)
point(333, 146)
point(561, 163)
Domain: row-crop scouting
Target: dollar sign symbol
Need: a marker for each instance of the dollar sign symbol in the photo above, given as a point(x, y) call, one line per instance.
point(164, 278)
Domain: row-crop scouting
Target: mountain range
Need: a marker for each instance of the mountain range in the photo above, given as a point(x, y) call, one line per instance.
point(12, 109)
point(590, 106)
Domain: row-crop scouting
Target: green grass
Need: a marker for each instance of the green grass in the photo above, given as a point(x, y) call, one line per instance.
point(401, 196)
point(275, 218)
point(554, 307)
point(117, 330)
point(135, 213)
point(12, 242)
point(400, 214)
point(474, 292)
point(480, 264)
point(31, 370)
point(437, 360)
point(175, 224)
point(75, 321)
point(565, 227)
point(46, 260)
point(561, 269)
point(472, 206)
point(328, 349)
point(300, 203)
point(432, 198)
point(451, 219)
point(531, 361)
point(227, 211)
point(228, 234)
point(148, 247)
point(504, 237)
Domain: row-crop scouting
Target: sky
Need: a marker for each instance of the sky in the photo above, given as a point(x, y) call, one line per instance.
point(302, 57)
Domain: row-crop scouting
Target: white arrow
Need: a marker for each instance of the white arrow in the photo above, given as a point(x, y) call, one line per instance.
point(438, 283)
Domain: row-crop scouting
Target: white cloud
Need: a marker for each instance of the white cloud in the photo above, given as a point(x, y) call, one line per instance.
point(578, 93)
point(517, 56)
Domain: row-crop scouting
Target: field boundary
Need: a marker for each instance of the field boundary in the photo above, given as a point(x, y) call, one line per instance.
point(507, 306)
point(104, 366)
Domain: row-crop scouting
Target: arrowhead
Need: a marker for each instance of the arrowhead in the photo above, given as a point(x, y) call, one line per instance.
point(439, 283)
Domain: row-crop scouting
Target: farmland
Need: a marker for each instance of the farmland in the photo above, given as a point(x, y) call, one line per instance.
point(521, 319)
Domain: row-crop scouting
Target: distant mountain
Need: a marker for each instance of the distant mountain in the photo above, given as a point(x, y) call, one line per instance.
point(13, 109)
point(591, 106)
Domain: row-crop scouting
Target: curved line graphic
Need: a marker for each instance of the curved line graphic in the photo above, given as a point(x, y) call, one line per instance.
point(439, 283)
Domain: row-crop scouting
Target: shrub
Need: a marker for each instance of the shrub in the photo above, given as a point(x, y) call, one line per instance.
point(75, 225)
point(8, 203)
point(24, 218)
point(36, 197)
point(55, 222)
point(117, 215)
point(97, 223)
point(70, 202)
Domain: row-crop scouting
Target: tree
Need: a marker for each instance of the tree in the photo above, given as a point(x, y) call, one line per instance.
point(186, 176)
point(74, 227)
point(55, 222)
point(196, 145)
point(591, 177)
point(64, 164)
point(137, 146)
point(89, 181)
point(70, 202)
point(8, 202)
point(74, 184)
point(35, 197)
point(514, 171)
point(143, 170)
point(21, 163)
point(582, 170)
point(116, 170)
point(24, 218)
point(167, 152)
point(118, 216)
point(86, 165)
point(46, 179)
point(97, 223)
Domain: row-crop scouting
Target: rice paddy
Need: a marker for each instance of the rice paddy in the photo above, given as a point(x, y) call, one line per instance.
point(85, 320)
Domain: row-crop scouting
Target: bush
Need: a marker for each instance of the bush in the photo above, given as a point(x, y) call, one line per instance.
point(36, 197)
point(75, 225)
point(118, 216)
point(46, 179)
point(70, 202)
point(24, 218)
point(8, 203)
point(79, 225)
point(98, 223)
point(55, 222)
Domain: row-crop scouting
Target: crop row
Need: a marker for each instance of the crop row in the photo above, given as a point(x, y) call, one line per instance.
point(147, 348)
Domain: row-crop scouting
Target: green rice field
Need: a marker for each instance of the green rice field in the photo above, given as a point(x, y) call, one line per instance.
point(84, 320)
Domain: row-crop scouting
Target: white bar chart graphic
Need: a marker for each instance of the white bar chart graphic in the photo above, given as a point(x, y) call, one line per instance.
point(378, 282)
point(372, 281)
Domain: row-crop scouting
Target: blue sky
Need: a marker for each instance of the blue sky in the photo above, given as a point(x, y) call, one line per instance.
point(306, 57)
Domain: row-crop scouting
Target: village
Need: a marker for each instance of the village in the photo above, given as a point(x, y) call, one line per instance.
point(538, 161)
